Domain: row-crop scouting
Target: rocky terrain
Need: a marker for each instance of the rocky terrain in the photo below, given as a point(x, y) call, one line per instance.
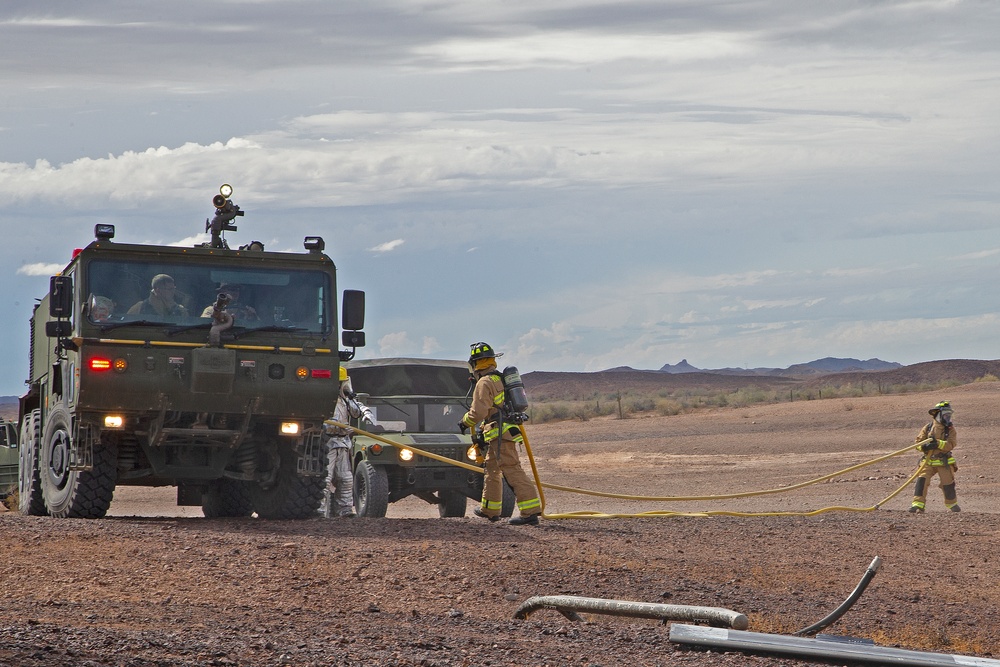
point(153, 585)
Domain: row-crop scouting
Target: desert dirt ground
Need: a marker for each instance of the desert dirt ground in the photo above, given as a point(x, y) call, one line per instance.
point(154, 584)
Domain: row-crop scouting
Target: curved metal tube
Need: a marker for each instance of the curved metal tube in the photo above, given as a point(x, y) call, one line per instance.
point(568, 605)
point(846, 604)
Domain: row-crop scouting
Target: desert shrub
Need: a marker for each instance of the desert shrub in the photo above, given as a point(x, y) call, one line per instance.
point(989, 377)
point(668, 407)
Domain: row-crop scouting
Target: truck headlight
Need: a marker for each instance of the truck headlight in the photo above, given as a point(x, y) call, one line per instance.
point(290, 428)
point(472, 453)
point(113, 421)
point(405, 454)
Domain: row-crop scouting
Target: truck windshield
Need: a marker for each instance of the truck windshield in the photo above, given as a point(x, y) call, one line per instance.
point(163, 292)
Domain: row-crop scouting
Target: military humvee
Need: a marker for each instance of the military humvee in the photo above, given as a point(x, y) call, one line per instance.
point(128, 386)
point(8, 458)
point(415, 402)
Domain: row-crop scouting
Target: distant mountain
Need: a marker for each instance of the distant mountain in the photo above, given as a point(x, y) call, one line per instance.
point(818, 367)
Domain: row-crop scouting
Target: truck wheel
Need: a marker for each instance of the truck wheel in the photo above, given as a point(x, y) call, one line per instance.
point(452, 504)
point(226, 498)
point(29, 485)
point(371, 490)
point(509, 501)
point(74, 494)
point(288, 495)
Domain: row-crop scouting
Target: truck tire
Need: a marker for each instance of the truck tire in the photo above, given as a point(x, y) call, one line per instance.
point(74, 494)
point(29, 485)
point(289, 495)
point(509, 501)
point(452, 504)
point(226, 498)
point(371, 490)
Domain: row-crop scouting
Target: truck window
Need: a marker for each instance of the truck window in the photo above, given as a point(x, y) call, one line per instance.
point(180, 293)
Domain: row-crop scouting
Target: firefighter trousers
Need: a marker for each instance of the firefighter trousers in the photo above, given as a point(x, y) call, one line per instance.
point(506, 464)
point(946, 480)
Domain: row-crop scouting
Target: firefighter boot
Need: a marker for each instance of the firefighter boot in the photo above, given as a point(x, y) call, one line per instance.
point(524, 520)
point(479, 512)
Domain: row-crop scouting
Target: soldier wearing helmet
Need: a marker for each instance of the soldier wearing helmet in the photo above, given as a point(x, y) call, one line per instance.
point(338, 499)
point(501, 458)
point(937, 440)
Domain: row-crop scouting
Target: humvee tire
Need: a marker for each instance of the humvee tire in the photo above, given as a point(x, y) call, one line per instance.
point(371, 490)
point(509, 501)
point(29, 485)
point(226, 498)
point(452, 504)
point(74, 494)
point(288, 495)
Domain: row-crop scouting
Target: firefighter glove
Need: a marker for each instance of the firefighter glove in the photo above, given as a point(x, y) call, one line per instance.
point(462, 428)
point(928, 446)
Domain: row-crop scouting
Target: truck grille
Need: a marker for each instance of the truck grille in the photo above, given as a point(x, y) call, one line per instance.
point(456, 453)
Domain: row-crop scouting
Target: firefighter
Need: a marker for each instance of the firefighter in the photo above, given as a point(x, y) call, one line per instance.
point(501, 441)
point(162, 299)
point(938, 459)
point(339, 495)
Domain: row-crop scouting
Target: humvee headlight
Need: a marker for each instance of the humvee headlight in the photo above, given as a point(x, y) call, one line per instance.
point(405, 454)
point(471, 453)
point(113, 421)
point(290, 428)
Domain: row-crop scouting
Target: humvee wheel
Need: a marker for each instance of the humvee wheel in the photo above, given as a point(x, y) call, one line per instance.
point(371, 490)
point(76, 494)
point(29, 485)
point(226, 498)
point(287, 495)
point(509, 501)
point(452, 504)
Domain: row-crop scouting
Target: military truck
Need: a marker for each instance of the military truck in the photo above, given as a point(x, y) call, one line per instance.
point(416, 403)
point(9, 458)
point(135, 380)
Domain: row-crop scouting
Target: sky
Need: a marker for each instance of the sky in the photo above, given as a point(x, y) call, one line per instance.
point(583, 185)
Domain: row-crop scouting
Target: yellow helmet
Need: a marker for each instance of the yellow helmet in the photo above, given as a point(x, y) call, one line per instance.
point(343, 374)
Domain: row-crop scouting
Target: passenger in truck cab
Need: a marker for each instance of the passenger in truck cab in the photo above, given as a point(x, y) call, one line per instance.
point(238, 310)
point(101, 308)
point(162, 299)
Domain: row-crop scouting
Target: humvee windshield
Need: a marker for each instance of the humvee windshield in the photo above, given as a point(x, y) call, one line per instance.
point(297, 299)
point(428, 397)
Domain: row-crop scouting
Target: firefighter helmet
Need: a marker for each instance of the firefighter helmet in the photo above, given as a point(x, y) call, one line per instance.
point(343, 374)
point(482, 356)
point(943, 406)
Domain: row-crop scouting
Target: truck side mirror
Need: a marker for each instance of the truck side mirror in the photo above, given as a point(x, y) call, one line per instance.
point(352, 316)
point(58, 328)
point(61, 297)
point(353, 338)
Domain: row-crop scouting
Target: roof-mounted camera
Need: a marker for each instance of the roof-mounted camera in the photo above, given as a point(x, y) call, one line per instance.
point(225, 212)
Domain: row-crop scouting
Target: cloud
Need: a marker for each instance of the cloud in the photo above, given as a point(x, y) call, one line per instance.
point(395, 344)
point(388, 246)
point(40, 269)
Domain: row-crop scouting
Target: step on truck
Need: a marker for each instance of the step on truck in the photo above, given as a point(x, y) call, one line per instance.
point(416, 403)
point(205, 368)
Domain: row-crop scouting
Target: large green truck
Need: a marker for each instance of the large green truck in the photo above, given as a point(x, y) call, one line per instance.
point(136, 380)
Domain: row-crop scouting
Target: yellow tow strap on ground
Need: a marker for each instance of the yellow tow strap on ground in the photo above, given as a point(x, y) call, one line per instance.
point(726, 496)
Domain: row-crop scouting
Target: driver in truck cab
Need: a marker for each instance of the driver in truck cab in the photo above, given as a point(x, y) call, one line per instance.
point(162, 299)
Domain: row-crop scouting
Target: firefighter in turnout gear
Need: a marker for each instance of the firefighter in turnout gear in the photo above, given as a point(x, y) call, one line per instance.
point(338, 498)
point(938, 459)
point(500, 440)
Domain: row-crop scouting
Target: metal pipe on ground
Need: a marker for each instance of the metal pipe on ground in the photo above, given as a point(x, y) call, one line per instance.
point(824, 646)
point(830, 618)
point(569, 605)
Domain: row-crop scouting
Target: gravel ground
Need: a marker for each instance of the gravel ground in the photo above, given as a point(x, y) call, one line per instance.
point(137, 590)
